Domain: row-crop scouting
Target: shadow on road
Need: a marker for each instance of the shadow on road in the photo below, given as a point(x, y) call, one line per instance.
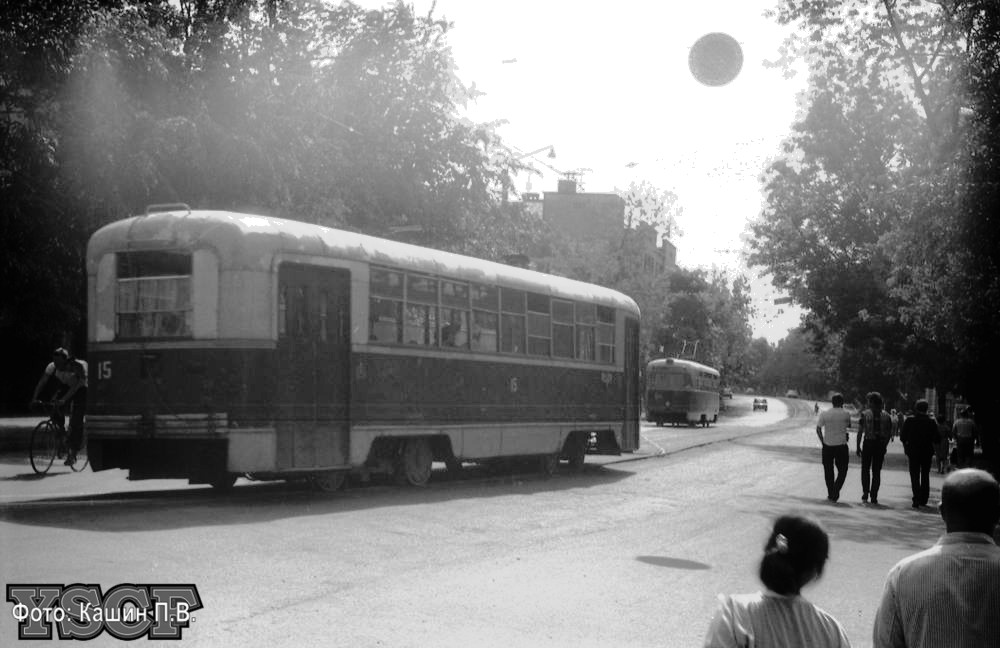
point(673, 563)
point(807, 454)
point(252, 503)
point(911, 529)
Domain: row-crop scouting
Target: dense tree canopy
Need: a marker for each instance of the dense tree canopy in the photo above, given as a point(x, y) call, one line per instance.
point(880, 216)
point(320, 112)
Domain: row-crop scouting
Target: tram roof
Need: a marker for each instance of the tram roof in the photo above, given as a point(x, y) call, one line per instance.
point(251, 242)
point(678, 362)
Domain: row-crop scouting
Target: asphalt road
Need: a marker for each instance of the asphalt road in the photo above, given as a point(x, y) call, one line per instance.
point(630, 552)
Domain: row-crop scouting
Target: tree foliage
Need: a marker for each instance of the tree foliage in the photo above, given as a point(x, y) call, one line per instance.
point(303, 109)
point(880, 214)
point(705, 316)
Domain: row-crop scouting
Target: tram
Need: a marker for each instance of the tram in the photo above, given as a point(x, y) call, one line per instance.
point(223, 344)
point(681, 392)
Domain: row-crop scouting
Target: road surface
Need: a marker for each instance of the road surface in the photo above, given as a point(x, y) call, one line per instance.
point(630, 552)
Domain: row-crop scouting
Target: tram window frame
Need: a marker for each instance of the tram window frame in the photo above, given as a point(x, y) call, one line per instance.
point(563, 338)
point(380, 320)
point(454, 323)
point(300, 312)
point(539, 309)
point(324, 316)
point(153, 298)
point(448, 313)
point(605, 334)
point(484, 331)
point(421, 322)
point(455, 314)
point(586, 331)
point(283, 312)
point(513, 325)
point(385, 305)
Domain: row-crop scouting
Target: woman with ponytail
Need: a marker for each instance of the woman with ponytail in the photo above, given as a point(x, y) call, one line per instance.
point(794, 556)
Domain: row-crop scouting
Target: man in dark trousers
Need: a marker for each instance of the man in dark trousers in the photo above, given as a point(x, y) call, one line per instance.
point(831, 428)
point(874, 435)
point(919, 437)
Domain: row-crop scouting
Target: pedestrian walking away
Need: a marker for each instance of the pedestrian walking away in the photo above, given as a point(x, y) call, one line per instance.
point(943, 446)
point(919, 437)
point(874, 435)
point(948, 596)
point(831, 428)
point(794, 556)
point(965, 434)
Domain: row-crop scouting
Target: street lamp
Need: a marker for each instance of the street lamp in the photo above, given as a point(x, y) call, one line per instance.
point(520, 156)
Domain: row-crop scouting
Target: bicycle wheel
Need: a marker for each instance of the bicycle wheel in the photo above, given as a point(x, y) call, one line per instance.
point(44, 445)
point(82, 460)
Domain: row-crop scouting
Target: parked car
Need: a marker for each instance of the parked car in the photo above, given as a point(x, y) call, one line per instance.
point(760, 404)
point(726, 392)
point(791, 393)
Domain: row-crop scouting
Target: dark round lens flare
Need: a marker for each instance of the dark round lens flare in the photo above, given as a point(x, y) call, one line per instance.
point(715, 59)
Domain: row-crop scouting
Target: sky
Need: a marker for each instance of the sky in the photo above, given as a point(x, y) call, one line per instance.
point(607, 85)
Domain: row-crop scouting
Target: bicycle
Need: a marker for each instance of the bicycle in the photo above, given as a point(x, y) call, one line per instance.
point(49, 441)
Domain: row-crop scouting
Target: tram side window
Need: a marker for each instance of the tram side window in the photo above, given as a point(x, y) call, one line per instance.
point(283, 312)
point(605, 334)
point(586, 323)
point(668, 379)
point(420, 325)
point(562, 329)
point(512, 326)
point(324, 316)
point(539, 325)
point(485, 322)
point(154, 295)
point(454, 315)
point(708, 382)
point(485, 332)
point(386, 306)
point(300, 313)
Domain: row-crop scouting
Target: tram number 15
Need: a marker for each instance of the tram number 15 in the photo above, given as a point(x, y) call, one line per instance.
point(104, 370)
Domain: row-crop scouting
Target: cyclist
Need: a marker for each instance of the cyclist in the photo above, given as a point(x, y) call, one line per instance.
point(70, 377)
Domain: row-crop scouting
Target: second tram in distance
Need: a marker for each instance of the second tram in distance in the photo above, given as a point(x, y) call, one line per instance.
point(224, 344)
point(681, 392)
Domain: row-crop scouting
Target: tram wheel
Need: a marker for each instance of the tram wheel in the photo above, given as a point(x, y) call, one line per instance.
point(329, 481)
point(415, 462)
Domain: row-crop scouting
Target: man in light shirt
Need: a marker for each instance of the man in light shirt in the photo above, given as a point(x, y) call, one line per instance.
point(949, 595)
point(831, 428)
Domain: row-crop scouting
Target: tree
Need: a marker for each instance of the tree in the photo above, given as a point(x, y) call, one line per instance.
point(656, 208)
point(705, 308)
point(876, 217)
point(326, 113)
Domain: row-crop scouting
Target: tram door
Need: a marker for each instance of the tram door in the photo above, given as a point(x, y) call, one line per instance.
point(313, 373)
point(630, 436)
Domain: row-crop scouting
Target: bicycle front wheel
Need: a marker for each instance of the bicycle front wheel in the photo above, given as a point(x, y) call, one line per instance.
point(44, 446)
